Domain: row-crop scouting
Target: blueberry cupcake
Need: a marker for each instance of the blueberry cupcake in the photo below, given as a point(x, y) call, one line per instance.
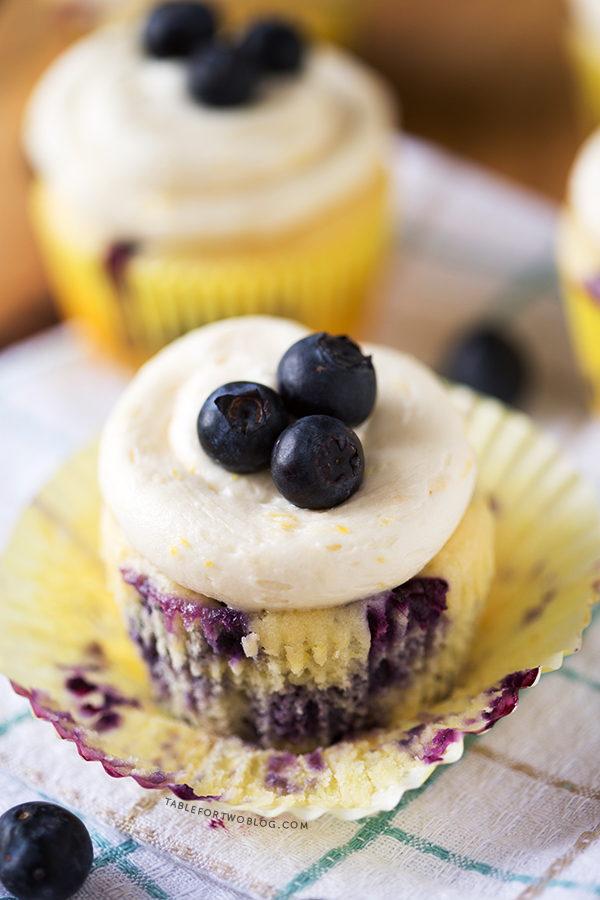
point(296, 595)
point(579, 263)
point(583, 45)
point(199, 176)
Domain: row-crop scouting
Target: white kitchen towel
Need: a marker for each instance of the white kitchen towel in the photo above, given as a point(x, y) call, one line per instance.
point(519, 815)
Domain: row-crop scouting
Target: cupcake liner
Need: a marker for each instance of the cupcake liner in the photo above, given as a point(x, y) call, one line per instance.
point(582, 310)
point(63, 646)
point(141, 300)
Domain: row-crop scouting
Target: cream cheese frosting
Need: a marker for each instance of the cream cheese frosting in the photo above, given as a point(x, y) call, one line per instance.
point(128, 151)
point(584, 186)
point(579, 232)
point(586, 15)
point(234, 537)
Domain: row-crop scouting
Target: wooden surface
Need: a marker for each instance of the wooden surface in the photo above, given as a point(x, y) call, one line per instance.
point(486, 79)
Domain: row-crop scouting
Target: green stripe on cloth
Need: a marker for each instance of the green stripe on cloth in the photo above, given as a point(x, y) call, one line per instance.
point(9, 724)
point(580, 679)
point(382, 826)
point(373, 828)
point(119, 856)
point(463, 862)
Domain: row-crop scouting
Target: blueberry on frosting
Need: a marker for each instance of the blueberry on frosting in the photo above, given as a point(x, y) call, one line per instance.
point(221, 76)
point(176, 29)
point(274, 46)
point(329, 375)
point(239, 424)
point(317, 462)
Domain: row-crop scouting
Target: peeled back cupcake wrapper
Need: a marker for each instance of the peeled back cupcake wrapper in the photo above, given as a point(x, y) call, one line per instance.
point(63, 645)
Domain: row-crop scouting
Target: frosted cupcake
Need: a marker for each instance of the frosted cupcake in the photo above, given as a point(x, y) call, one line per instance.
point(291, 626)
point(583, 42)
point(579, 262)
point(173, 190)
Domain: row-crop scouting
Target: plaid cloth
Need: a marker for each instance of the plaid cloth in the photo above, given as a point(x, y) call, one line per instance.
point(519, 815)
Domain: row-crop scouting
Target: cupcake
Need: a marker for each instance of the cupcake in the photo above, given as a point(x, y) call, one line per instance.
point(293, 623)
point(583, 44)
point(579, 263)
point(195, 179)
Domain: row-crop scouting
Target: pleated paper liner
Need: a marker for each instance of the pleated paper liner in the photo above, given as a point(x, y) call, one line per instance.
point(63, 646)
point(144, 300)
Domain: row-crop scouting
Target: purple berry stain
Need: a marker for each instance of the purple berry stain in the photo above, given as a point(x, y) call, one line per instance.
point(315, 760)
point(188, 610)
point(116, 261)
point(506, 695)
point(224, 629)
point(274, 778)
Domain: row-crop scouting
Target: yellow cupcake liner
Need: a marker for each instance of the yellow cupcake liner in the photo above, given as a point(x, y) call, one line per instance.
point(585, 60)
point(583, 316)
point(59, 625)
point(319, 276)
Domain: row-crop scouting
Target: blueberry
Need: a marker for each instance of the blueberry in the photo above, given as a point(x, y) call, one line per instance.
point(489, 361)
point(222, 76)
point(45, 851)
point(317, 462)
point(175, 29)
point(239, 423)
point(274, 46)
point(327, 374)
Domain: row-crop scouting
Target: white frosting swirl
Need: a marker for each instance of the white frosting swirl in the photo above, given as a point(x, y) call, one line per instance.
point(586, 15)
point(584, 187)
point(235, 538)
point(117, 136)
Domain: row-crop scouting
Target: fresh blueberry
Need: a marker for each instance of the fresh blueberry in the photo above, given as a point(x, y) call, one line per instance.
point(45, 851)
point(489, 361)
point(274, 46)
point(239, 423)
point(317, 462)
point(327, 374)
point(222, 76)
point(175, 29)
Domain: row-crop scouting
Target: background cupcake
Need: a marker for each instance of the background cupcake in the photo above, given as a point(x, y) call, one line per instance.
point(174, 189)
point(583, 43)
point(579, 262)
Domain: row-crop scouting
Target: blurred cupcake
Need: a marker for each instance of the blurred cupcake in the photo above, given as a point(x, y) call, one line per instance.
point(288, 624)
point(331, 20)
point(178, 185)
point(579, 262)
point(583, 43)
